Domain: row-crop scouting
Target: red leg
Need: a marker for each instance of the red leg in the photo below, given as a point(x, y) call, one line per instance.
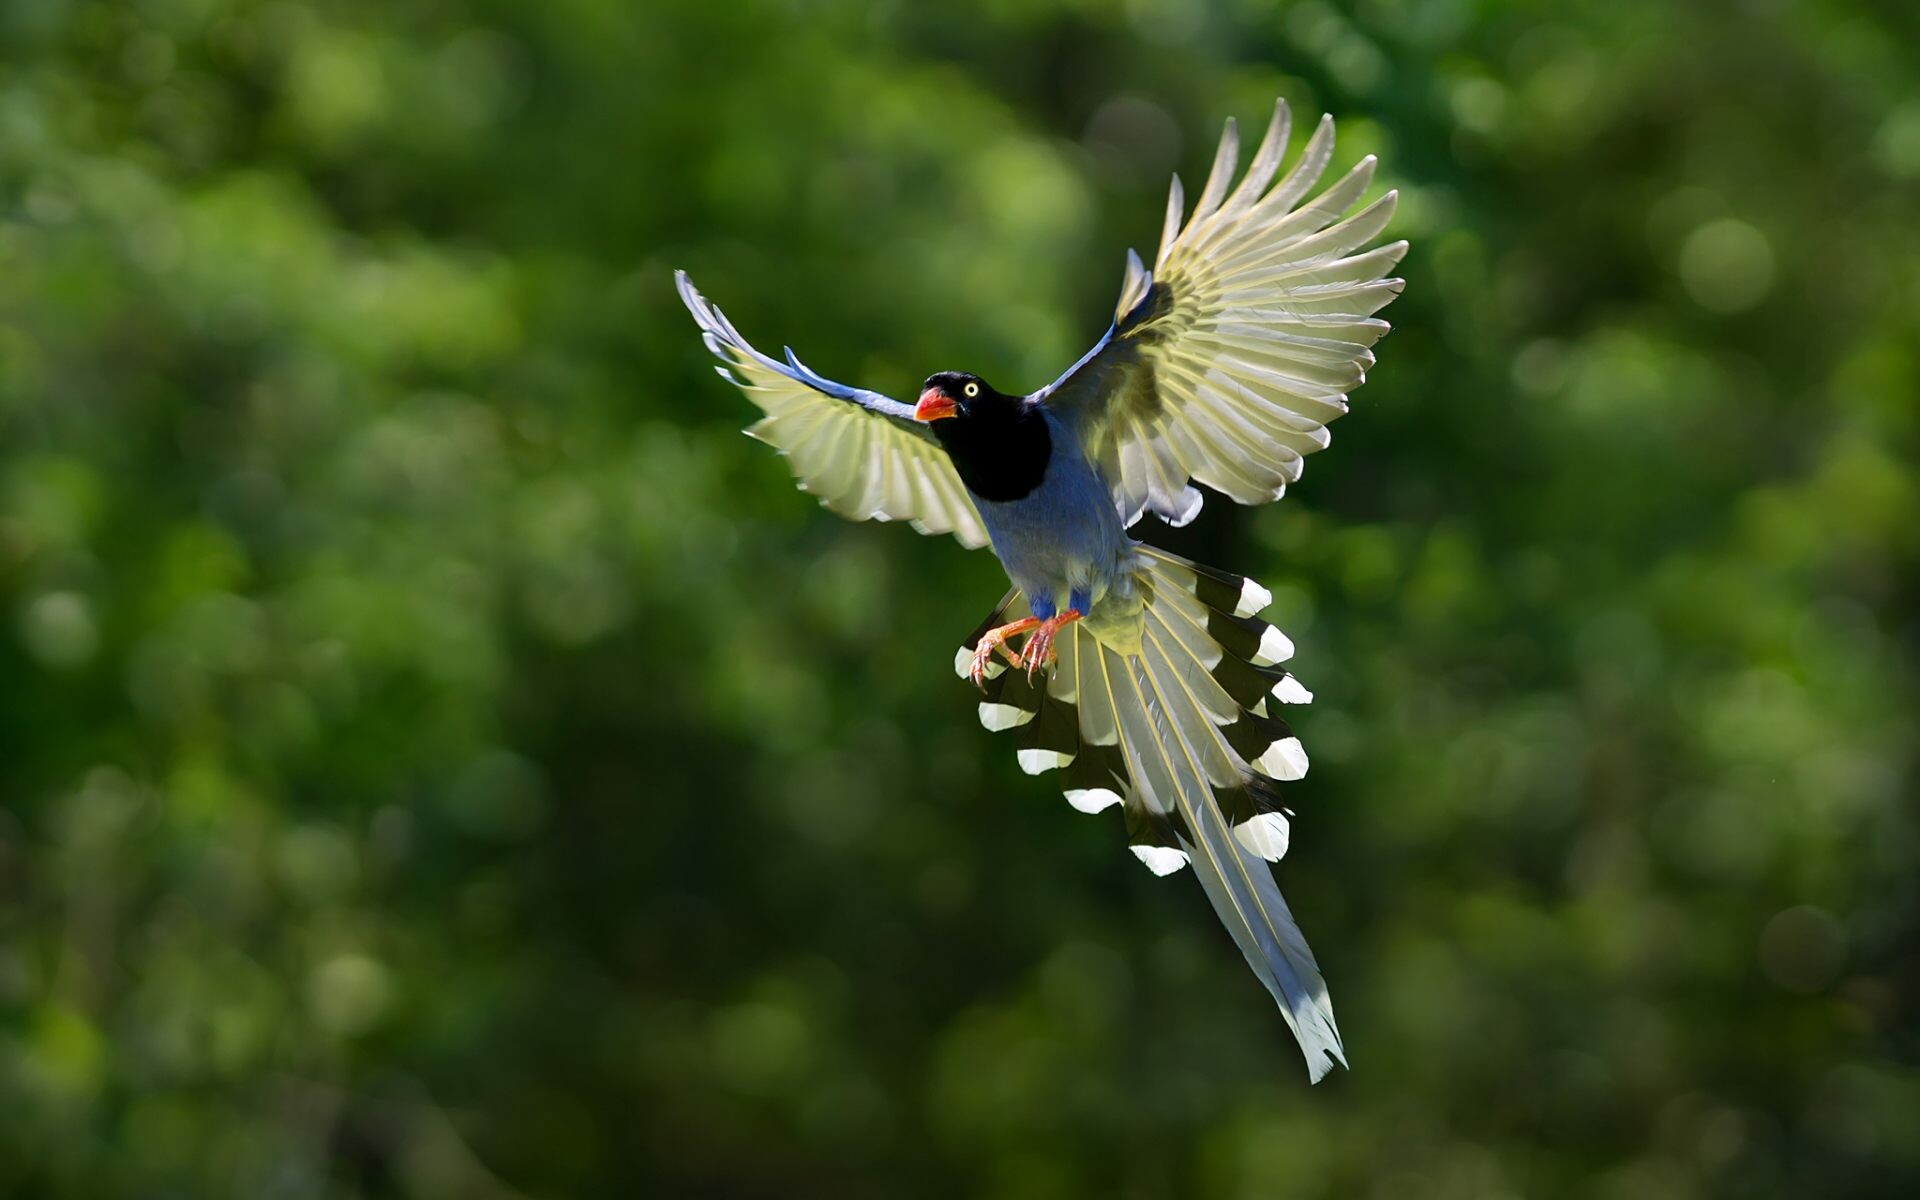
point(1039, 648)
point(996, 639)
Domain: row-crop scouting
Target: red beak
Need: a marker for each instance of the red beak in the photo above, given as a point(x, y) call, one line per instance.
point(935, 405)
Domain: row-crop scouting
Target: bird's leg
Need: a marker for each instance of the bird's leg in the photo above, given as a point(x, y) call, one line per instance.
point(1039, 648)
point(996, 639)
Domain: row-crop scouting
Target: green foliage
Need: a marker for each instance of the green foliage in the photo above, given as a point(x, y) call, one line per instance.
point(439, 756)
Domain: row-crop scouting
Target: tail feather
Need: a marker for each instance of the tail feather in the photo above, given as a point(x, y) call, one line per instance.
point(1052, 739)
point(1181, 731)
point(1243, 892)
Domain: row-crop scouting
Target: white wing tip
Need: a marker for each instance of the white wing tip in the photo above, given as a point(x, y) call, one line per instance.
point(1035, 760)
point(1275, 647)
point(1266, 836)
point(1161, 860)
point(1182, 508)
point(1092, 800)
point(1002, 716)
point(1286, 759)
point(1253, 598)
point(1290, 691)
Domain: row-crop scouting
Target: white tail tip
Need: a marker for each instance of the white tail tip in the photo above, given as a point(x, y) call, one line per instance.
point(1267, 835)
point(1161, 860)
point(1002, 716)
point(1285, 759)
point(1092, 800)
point(1253, 598)
point(1289, 691)
point(1275, 647)
point(1035, 760)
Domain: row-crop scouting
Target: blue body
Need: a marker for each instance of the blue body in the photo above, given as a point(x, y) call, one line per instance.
point(1063, 542)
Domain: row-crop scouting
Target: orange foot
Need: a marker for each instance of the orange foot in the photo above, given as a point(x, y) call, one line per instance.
point(1039, 648)
point(996, 639)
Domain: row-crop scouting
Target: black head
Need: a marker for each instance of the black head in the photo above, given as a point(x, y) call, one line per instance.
point(956, 395)
point(998, 443)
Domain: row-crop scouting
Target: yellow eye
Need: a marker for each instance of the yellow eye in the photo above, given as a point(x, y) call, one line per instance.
point(972, 390)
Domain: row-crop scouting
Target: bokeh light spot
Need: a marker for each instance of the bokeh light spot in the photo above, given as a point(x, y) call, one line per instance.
point(1802, 949)
point(1727, 265)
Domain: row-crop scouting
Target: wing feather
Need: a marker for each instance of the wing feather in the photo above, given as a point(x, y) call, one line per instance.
point(1226, 362)
point(860, 452)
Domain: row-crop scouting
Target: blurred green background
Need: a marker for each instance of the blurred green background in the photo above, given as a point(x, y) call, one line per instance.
point(440, 757)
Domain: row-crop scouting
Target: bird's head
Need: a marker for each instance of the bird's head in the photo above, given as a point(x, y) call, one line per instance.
point(1000, 444)
point(958, 396)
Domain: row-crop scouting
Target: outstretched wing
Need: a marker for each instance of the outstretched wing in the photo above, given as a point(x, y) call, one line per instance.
point(1226, 362)
point(862, 453)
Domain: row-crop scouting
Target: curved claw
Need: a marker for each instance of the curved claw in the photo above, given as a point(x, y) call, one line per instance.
point(992, 640)
point(982, 657)
point(1039, 649)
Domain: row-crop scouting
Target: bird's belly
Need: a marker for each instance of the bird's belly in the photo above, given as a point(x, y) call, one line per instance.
point(1062, 537)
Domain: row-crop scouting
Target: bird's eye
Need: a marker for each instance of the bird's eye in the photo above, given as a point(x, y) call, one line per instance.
point(972, 390)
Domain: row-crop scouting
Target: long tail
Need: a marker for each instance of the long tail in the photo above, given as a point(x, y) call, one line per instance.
point(1178, 726)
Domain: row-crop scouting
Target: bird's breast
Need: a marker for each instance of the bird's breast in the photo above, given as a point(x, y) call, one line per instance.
point(1065, 531)
point(1002, 463)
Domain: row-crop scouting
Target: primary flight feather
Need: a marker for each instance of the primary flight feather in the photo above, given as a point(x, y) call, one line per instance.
point(1148, 681)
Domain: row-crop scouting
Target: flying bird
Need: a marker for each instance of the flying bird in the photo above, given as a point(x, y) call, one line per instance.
point(1148, 682)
